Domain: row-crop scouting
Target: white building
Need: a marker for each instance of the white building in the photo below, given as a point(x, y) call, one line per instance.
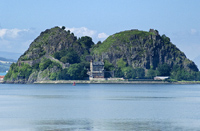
point(161, 77)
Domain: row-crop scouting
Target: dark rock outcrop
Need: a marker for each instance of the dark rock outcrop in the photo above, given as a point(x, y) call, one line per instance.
point(51, 41)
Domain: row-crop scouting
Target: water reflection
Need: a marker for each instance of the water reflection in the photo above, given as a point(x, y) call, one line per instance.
point(115, 98)
point(113, 125)
point(141, 98)
point(63, 125)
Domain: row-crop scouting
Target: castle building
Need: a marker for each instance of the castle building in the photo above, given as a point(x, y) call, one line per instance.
point(96, 69)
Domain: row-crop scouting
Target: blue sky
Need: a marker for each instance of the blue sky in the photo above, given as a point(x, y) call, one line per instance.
point(21, 21)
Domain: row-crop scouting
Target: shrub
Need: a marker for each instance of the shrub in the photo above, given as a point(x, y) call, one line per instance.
point(44, 64)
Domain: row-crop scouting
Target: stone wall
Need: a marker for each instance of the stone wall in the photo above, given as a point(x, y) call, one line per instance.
point(105, 79)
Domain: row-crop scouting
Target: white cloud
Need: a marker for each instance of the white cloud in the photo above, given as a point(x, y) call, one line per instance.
point(82, 31)
point(16, 40)
point(11, 33)
point(2, 33)
point(102, 35)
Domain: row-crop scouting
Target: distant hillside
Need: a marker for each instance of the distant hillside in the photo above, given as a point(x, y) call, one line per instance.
point(5, 64)
point(56, 54)
point(9, 55)
point(4, 67)
point(7, 60)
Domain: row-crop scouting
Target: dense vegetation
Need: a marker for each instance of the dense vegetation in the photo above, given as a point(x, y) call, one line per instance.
point(69, 56)
point(19, 72)
point(76, 71)
point(176, 73)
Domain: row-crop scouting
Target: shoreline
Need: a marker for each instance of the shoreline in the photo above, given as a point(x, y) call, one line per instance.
point(102, 82)
point(99, 82)
point(113, 82)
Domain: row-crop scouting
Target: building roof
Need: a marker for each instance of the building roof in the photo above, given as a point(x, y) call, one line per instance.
point(98, 63)
point(1, 76)
point(161, 76)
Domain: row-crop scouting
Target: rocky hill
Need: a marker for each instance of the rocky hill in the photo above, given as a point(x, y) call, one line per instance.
point(142, 49)
point(57, 54)
point(48, 55)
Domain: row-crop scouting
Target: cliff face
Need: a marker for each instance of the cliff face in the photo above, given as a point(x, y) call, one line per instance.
point(142, 49)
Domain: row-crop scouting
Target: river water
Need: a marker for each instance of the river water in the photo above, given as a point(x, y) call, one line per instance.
point(99, 107)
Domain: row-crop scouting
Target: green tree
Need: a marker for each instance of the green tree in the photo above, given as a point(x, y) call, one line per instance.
point(53, 76)
point(86, 41)
point(73, 57)
point(13, 69)
point(44, 64)
point(151, 73)
point(197, 76)
point(69, 56)
point(62, 53)
point(129, 72)
point(164, 70)
point(57, 55)
point(77, 72)
point(65, 59)
point(140, 73)
point(99, 42)
point(118, 73)
point(36, 66)
point(121, 63)
point(165, 39)
point(24, 71)
point(63, 27)
point(63, 75)
point(179, 73)
point(108, 66)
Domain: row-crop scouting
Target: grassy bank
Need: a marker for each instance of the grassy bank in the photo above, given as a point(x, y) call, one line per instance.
point(187, 82)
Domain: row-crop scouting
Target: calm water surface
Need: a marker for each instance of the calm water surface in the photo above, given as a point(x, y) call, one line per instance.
point(99, 107)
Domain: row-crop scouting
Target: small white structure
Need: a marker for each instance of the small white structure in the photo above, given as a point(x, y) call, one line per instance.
point(1, 78)
point(161, 77)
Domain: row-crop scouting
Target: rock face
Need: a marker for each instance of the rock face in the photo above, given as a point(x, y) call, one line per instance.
point(142, 49)
point(49, 42)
